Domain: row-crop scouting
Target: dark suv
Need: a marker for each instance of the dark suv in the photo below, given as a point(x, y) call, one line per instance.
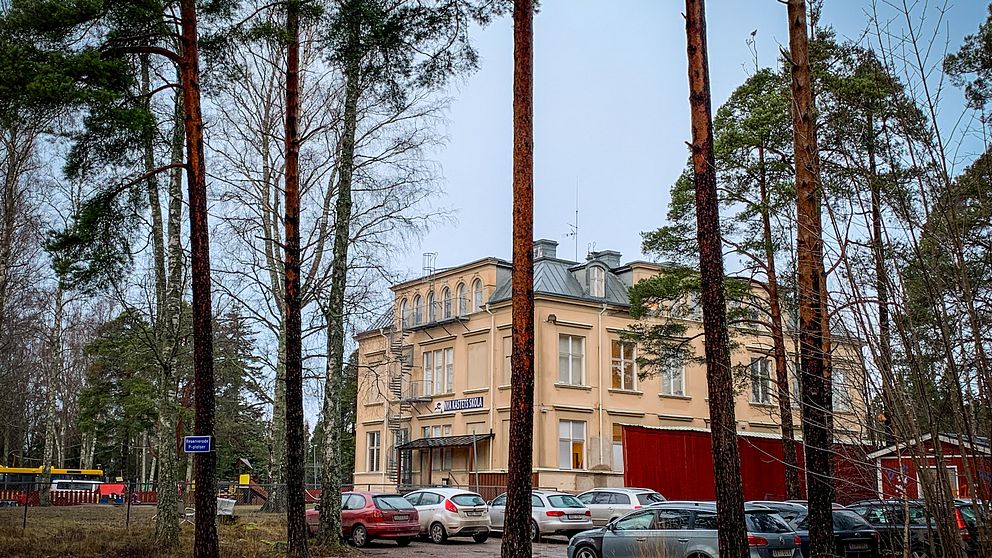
point(889, 518)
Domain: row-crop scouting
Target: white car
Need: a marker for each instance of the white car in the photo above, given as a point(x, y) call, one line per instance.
point(451, 512)
point(552, 513)
point(607, 504)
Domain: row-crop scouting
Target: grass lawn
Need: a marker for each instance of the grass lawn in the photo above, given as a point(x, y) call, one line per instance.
point(98, 531)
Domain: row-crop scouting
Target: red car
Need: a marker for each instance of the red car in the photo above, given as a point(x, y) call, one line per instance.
point(368, 515)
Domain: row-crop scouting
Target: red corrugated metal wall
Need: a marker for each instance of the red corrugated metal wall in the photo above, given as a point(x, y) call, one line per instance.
point(679, 464)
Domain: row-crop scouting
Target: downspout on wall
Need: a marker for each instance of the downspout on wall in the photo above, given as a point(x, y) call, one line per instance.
point(599, 333)
point(492, 380)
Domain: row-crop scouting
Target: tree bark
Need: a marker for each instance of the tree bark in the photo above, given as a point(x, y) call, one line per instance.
point(295, 439)
point(52, 375)
point(154, 204)
point(330, 520)
point(205, 473)
point(732, 537)
point(167, 504)
point(778, 342)
point(516, 537)
point(814, 341)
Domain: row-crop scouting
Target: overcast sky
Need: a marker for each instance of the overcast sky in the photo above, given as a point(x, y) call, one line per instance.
point(611, 116)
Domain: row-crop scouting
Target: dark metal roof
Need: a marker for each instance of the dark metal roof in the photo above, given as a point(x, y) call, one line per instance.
point(445, 441)
point(558, 277)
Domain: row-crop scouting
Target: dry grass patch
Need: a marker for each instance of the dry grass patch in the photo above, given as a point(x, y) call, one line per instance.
point(100, 532)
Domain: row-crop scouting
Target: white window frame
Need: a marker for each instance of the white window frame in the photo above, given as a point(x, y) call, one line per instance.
point(617, 449)
point(621, 363)
point(446, 303)
point(428, 373)
point(568, 375)
point(462, 300)
point(404, 314)
point(567, 441)
point(841, 397)
point(431, 312)
point(761, 370)
point(669, 383)
point(373, 451)
point(597, 281)
point(476, 295)
point(439, 371)
point(418, 310)
point(955, 481)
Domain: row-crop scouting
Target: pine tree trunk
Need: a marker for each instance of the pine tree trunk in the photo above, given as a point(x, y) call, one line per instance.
point(516, 537)
point(330, 502)
point(778, 341)
point(723, 423)
point(167, 504)
point(205, 475)
point(154, 205)
point(814, 342)
point(295, 438)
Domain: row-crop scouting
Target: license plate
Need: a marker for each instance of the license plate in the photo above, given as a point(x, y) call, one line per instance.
point(576, 516)
point(473, 513)
point(401, 517)
point(785, 552)
point(858, 546)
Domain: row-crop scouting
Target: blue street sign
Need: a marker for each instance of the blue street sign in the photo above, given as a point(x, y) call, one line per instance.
point(197, 444)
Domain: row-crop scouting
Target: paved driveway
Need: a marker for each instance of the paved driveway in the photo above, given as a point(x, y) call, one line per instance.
point(553, 547)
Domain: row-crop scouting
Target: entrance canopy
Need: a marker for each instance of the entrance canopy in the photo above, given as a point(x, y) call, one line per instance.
point(445, 441)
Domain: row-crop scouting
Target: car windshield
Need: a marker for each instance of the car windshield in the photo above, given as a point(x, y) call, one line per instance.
point(468, 500)
point(766, 522)
point(847, 521)
point(650, 498)
point(392, 503)
point(565, 501)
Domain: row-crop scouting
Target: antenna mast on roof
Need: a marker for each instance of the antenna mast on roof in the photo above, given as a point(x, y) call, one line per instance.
point(575, 226)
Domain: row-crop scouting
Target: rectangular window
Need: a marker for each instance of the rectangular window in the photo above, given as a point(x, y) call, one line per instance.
point(571, 354)
point(571, 444)
point(624, 366)
point(841, 397)
point(375, 451)
point(597, 282)
point(478, 365)
point(673, 380)
point(761, 380)
point(507, 367)
point(617, 447)
point(439, 371)
point(440, 458)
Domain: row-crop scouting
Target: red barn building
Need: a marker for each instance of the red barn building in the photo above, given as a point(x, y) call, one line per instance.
point(969, 466)
point(678, 462)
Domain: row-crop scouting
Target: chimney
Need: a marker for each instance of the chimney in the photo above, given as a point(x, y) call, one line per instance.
point(611, 258)
point(544, 248)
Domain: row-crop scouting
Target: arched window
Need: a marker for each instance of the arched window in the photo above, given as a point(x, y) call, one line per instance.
point(431, 313)
point(418, 310)
point(462, 300)
point(446, 302)
point(404, 315)
point(476, 295)
point(597, 281)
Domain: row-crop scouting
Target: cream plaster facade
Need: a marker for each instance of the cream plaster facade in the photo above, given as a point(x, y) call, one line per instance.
point(588, 406)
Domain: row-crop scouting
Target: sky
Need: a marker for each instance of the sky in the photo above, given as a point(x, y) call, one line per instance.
point(611, 116)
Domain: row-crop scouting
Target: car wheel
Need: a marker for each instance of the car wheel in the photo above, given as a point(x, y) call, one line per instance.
point(437, 533)
point(586, 552)
point(403, 541)
point(535, 533)
point(360, 536)
point(480, 537)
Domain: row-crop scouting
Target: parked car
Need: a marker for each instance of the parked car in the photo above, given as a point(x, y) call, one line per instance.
point(682, 530)
point(853, 536)
point(367, 515)
point(451, 512)
point(805, 503)
point(552, 513)
point(890, 518)
point(607, 504)
point(788, 510)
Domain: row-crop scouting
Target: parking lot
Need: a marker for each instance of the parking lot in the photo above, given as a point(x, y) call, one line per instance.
point(463, 548)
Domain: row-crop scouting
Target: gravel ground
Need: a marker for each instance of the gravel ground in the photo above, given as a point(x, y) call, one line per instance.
point(553, 547)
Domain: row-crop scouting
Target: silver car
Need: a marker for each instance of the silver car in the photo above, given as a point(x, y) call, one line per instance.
point(607, 504)
point(552, 513)
point(451, 512)
point(682, 530)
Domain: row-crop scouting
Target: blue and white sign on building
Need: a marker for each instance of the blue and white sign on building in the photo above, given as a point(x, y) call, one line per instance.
point(197, 444)
point(452, 405)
